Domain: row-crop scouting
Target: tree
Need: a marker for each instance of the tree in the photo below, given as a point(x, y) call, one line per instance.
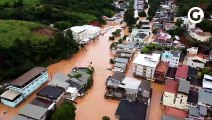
point(129, 17)
point(179, 22)
point(62, 25)
point(111, 61)
point(149, 18)
point(145, 50)
point(145, 5)
point(207, 70)
point(105, 118)
point(142, 14)
point(65, 112)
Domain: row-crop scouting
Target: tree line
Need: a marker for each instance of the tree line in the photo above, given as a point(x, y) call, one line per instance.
point(25, 54)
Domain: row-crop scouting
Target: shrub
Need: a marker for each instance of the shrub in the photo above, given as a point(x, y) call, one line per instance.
point(149, 18)
point(111, 61)
point(62, 25)
point(111, 38)
point(105, 118)
point(142, 14)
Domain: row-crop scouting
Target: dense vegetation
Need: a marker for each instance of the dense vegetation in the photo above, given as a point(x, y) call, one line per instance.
point(154, 5)
point(129, 15)
point(11, 30)
point(185, 5)
point(150, 47)
point(65, 112)
point(206, 5)
point(51, 11)
point(23, 50)
point(24, 45)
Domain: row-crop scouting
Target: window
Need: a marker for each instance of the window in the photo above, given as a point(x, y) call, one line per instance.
point(174, 100)
point(181, 100)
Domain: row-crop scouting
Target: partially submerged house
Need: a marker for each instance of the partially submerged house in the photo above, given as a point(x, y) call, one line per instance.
point(24, 86)
point(112, 84)
point(131, 110)
point(131, 86)
point(124, 54)
point(60, 80)
point(144, 91)
point(121, 60)
point(120, 67)
point(51, 93)
point(31, 112)
point(43, 103)
point(161, 71)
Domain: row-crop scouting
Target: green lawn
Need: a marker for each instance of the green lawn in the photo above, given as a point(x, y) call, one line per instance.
point(27, 2)
point(13, 29)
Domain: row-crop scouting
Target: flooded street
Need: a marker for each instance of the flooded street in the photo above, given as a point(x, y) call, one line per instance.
point(93, 106)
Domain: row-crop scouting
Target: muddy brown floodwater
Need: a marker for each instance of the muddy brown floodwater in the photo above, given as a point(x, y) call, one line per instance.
point(93, 106)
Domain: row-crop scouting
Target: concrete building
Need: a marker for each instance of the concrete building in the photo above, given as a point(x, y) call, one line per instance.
point(176, 94)
point(197, 61)
point(51, 93)
point(192, 50)
point(131, 87)
point(60, 80)
point(24, 86)
point(198, 34)
point(82, 34)
point(145, 65)
point(172, 57)
point(161, 71)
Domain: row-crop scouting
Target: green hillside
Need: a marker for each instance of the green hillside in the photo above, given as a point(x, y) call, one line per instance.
point(26, 2)
point(10, 30)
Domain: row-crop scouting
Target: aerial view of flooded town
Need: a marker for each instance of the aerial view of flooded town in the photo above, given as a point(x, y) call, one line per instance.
point(105, 59)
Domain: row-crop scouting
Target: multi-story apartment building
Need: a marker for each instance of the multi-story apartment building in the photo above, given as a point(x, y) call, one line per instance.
point(145, 65)
point(24, 85)
point(173, 57)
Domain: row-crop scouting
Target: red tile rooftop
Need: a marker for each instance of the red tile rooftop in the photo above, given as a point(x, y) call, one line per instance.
point(175, 112)
point(171, 86)
point(182, 71)
point(162, 67)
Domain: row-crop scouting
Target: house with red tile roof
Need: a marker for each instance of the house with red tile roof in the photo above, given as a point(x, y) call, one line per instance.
point(182, 72)
point(160, 72)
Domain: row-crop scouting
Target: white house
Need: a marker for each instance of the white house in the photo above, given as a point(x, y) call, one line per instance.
point(82, 34)
point(196, 61)
point(198, 34)
point(145, 65)
point(131, 87)
point(137, 37)
point(192, 50)
point(172, 57)
point(145, 31)
point(71, 93)
point(207, 82)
